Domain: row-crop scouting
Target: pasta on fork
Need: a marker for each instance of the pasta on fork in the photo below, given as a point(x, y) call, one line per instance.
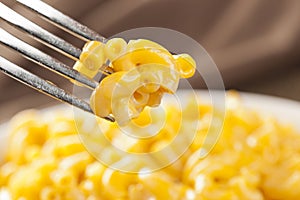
point(142, 71)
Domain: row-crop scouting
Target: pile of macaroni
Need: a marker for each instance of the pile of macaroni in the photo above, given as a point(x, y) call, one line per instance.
point(142, 71)
point(255, 158)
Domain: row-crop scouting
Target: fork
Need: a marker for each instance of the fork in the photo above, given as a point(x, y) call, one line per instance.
point(65, 23)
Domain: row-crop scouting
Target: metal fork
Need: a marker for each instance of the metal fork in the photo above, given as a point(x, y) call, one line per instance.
point(62, 21)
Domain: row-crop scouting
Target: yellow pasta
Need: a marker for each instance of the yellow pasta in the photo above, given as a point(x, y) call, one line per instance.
point(48, 193)
point(76, 163)
point(63, 146)
point(63, 179)
point(139, 64)
point(117, 93)
point(134, 45)
point(255, 158)
point(91, 59)
point(186, 65)
point(115, 48)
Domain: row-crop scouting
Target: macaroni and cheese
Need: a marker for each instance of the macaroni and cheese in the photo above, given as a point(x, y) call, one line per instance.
point(142, 71)
point(256, 157)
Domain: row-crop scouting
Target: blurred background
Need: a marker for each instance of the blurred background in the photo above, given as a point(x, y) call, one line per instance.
point(255, 44)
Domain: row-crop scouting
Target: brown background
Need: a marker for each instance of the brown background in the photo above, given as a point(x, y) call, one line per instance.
point(255, 44)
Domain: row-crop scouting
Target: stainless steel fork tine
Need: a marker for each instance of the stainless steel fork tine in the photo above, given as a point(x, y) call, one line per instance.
point(61, 20)
point(40, 84)
point(43, 86)
point(43, 59)
point(36, 31)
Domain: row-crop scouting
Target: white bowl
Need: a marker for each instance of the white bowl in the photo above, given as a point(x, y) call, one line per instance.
point(286, 111)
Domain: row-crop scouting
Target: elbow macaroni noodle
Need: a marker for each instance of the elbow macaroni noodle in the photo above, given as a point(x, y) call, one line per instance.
point(255, 158)
point(143, 71)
